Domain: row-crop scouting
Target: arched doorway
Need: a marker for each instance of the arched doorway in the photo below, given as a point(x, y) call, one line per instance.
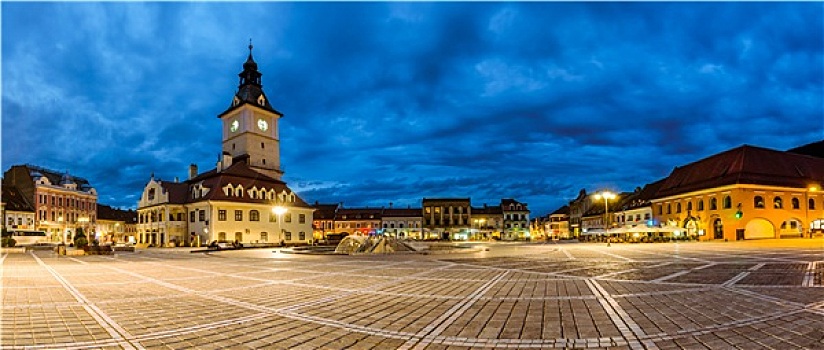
point(691, 227)
point(718, 229)
point(791, 228)
point(758, 229)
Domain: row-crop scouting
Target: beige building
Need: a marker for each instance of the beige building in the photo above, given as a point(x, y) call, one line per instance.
point(243, 198)
point(115, 225)
point(402, 223)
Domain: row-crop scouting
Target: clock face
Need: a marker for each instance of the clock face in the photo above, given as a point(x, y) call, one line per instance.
point(234, 126)
point(262, 125)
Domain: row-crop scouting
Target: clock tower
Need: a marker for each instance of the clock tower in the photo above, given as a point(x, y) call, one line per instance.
point(250, 125)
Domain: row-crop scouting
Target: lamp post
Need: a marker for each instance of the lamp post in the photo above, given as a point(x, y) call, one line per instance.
point(279, 210)
point(62, 228)
point(807, 223)
point(606, 195)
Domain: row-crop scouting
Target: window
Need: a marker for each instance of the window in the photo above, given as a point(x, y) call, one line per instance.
point(677, 207)
point(288, 235)
point(796, 203)
point(191, 216)
point(660, 209)
point(254, 215)
point(713, 204)
point(287, 217)
point(238, 215)
point(437, 210)
point(428, 210)
point(221, 215)
point(811, 204)
point(264, 237)
point(758, 202)
point(778, 203)
point(273, 217)
point(201, 215)
point(646, 216)
point(221, 236)
point(669, 208)
point(302, 236)
point(302, 218)
point(727, 202)
point(689, 206)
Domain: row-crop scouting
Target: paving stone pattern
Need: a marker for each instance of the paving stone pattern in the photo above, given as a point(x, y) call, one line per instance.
point(741, 295)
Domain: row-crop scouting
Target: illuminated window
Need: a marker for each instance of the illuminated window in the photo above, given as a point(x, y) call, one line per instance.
point(727, 202)
point(778, 203)
point(796, 203)
point(221, 215)
point(811, 204)
point(713, 204)
point(254, 215)
point(758, 202)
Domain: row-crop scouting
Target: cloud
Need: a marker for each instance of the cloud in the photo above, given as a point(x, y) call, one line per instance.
point(392, 102)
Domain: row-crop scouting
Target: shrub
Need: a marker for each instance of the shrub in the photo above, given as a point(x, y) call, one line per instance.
point(7, 242)
point(80, 240)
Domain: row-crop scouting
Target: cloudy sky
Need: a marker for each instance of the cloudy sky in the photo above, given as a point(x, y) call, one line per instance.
point(392, 102)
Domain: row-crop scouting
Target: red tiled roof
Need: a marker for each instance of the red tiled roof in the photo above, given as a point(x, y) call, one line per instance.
point(745, 165)
point(238, 173)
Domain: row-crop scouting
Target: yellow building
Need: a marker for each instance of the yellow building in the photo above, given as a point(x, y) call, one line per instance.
point(744, 193)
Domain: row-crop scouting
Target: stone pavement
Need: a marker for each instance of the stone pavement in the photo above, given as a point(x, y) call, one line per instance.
point(737, 295)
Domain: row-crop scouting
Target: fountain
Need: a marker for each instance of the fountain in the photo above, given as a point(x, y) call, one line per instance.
point(371, 245)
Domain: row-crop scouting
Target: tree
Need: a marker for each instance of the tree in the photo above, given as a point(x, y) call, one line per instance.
point(80, 240)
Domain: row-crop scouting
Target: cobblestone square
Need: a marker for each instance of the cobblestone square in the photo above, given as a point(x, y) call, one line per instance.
point(737, 295)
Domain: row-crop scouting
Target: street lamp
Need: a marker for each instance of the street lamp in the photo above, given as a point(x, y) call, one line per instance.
point(62, 230)
point(807, 222)
point(606, 195)
point(279, 210)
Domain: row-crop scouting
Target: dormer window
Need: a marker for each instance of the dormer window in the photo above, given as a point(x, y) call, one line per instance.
point(261, 100)
point(235, 101)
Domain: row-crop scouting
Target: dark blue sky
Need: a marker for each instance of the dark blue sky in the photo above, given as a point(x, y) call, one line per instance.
point(397, 101)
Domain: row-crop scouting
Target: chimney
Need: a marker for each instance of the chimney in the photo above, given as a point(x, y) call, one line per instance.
point(390, 205)
point(177, 179)
point(226, 161)
point(192, 171)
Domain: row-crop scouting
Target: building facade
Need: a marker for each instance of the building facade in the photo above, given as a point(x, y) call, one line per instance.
point(446, 218)
point(402, 223)
point(17, 212)
point(115, 225)
point(744, 193)
point(243, 198)
point(516, 220)
point(359, 221)
point(62, 203)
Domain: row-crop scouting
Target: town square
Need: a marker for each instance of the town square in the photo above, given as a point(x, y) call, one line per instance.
point(736, 295)
point(390, 175)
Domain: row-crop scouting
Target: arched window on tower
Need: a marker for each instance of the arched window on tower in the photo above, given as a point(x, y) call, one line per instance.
point(796, 203)
point(727, 202)
point(778, 203)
